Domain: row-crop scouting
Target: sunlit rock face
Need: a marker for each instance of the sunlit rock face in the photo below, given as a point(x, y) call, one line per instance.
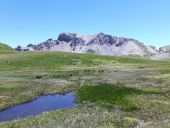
point(101, 44)
point(165, 48)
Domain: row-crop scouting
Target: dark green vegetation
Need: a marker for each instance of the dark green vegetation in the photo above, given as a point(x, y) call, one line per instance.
point(114, 94)
point(103, 85)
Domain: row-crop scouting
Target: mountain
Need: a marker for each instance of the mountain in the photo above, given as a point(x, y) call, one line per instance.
point(165, 49)
point(4, 47)
point(164, 53)
point(101, 44)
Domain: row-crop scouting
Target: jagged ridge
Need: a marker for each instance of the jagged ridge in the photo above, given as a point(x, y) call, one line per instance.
point(101, 44)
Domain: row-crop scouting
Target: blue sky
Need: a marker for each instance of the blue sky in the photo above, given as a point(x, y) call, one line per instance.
point(34, 21)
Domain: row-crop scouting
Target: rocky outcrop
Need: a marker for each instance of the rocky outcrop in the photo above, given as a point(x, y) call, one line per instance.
point(101, 44)
point(165, 49)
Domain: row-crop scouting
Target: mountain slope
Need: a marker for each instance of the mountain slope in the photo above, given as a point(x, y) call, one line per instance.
point(100, 44)
point(164, 53)
point(4, 47)
point(165, 48)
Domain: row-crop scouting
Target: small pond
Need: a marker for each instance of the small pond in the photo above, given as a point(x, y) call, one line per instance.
point(38, 106)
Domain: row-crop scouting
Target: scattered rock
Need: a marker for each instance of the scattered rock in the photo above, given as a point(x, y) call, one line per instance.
point(67, 90)
point(61, 81)
point(119, 110)
point(4, 97)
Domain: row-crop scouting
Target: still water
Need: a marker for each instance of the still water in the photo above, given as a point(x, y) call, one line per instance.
point(38, 106)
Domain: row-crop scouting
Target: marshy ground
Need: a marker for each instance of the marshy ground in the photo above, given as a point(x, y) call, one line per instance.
point(115, 92)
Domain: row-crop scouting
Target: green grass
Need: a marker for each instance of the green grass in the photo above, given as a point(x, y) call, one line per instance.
point(4, 47)
point(114, 94)
point(53, 60)
point(102, 84)
point(85, 116)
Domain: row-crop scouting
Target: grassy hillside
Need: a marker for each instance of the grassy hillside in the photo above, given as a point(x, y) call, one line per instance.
point(115, 92)
point(4, 47)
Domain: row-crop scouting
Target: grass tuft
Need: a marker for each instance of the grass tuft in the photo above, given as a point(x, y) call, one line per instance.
point(114, 94)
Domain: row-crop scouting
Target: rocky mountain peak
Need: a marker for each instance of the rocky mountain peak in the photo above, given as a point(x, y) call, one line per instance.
point(165, 48)
point(100, 43)
point(67, 37)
